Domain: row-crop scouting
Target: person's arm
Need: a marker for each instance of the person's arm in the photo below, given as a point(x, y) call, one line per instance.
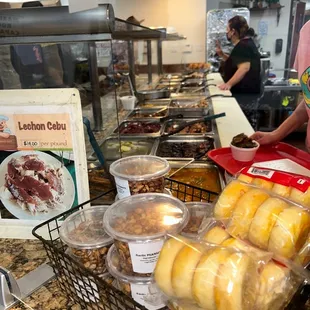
point(295, 121)
point(243, 68)
point(220, 52)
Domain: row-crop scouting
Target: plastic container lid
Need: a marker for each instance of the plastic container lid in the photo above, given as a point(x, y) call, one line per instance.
point(84, 229)
point(140, 167)
point(112, 262)
point(153, 214)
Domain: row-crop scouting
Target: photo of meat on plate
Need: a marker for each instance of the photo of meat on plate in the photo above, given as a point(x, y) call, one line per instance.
point(35, 185)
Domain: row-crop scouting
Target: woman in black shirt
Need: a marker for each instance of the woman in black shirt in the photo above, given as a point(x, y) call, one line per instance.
point(242, 66)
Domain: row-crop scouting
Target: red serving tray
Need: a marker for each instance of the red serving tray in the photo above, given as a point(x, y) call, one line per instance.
point(224, 159)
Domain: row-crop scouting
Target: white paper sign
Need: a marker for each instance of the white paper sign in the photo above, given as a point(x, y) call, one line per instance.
point(144, 256)
point(43, 167)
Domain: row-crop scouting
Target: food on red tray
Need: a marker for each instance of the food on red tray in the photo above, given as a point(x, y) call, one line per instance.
point(243, 141)
point(33, 185)
point(201, 128)
point(139, 127)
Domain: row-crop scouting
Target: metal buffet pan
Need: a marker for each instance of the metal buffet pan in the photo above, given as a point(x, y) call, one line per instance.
point(177, 122)
point(175, 164)
point(185, 106)
point(133, 123)
point(178, 147)
point(148, 114)
point(110, 147)
point(193, 83)
point(157, 103)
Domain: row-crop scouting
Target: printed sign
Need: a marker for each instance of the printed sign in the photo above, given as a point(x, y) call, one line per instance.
point(42, 156)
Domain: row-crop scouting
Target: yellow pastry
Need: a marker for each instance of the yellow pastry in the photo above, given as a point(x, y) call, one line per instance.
point(163, 270)
point(236, 284)
point(216, 235)
point(263, 183)
point(228, 199)
point(244, 212)
point(245, 178)
point(205, 276)
point(281, 190)
point(300, 197)
point(264, 220)
point(290, 232)
point(184, 268)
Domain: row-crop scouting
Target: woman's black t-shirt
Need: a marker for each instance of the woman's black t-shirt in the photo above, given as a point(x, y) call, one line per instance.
point(244, 51)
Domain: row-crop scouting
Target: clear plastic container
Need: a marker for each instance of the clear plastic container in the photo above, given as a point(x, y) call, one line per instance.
point(139, 174)
point(197, 212)
point(88, 242)
point(139, 288)
point(139, 225)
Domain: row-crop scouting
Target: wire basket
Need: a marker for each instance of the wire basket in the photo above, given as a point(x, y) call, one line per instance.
point(83, 286)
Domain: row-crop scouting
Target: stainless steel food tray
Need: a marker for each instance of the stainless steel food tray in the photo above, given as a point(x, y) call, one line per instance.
point(181, 139)
point(189, 112)
point(182, 121)
point(158, 103)
point(105, 147)
point(132, 116)
point(125, 123)
point(193, 91)
point(179, 164)
point(193, 83)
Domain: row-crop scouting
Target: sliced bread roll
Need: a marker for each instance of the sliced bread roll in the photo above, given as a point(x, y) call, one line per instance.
point(290, 232)
point(245, 178)
point(300, 197)
point(281, 190)
point(264, 220)
point(205, 276)
point(163, 270)
point(216, 235)
point(183, 270)
point(236, 284)
point(244, 212)
point(274, 285)
point(268, 185)
point(228, 199)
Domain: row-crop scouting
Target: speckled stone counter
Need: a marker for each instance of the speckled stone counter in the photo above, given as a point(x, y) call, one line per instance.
point(23, 256)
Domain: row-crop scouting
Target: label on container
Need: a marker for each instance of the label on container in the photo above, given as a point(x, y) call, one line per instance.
point(122, 187)
point(140, 293)
point(144, 256)
point(261, 172)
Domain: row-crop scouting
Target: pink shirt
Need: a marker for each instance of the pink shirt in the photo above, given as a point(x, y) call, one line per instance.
point(302, 65)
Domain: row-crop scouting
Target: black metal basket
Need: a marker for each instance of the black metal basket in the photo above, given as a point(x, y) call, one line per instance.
point(83, 286)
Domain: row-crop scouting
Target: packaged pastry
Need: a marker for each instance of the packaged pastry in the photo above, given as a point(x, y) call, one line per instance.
point(139, 224)
point(88, 242)
point(197, 275)
point(139, 288)
point(139, 174)
point(291, 186)
point(263, 218)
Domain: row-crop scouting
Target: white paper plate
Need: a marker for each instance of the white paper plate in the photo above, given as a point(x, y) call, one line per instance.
point(67, 198)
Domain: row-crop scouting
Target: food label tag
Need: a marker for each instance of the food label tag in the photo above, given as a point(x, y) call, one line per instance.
point(122, 188)
point(261, 172)
point(144, 256)
point(139, 292)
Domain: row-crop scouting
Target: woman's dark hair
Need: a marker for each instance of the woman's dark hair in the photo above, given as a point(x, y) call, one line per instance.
point(241, 26)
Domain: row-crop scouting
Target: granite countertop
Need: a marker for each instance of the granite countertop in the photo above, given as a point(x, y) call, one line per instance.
point(23, 256)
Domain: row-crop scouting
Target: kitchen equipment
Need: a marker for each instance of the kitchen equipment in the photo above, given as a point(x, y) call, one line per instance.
point(223, 156)
point(147, 114)
point(12, 290)
point(204, 119)
point(147, 94)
